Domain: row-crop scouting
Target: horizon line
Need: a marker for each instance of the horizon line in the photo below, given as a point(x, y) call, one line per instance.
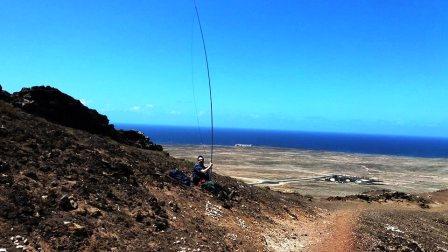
point(288, 130)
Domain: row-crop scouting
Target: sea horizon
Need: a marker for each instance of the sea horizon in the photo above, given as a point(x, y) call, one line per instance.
point(354, 143)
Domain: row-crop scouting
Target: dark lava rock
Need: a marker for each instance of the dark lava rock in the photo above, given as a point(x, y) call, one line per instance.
point(81, 232)
point(6, 180)
point(54, 183)
point(55, 106)
point(121, 169)
point(68, 203)
point(4, 95)
point(384, 195)
point(4, 166)
point(161, 224)
point(140, 217)
point(60, 108)
point(174, 206)
point(137, 139)
point(32, 174)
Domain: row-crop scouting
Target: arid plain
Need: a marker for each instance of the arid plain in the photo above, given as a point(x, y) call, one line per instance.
point(304, 171)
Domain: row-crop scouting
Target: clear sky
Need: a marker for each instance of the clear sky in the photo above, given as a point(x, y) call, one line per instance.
point(377, 67)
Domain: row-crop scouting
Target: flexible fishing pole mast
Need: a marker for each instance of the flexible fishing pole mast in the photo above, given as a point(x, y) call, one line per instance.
point(209, 81)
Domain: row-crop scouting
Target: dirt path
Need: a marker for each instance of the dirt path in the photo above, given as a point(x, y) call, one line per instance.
point(392, 226)
point(329, 230)
point(340, 226)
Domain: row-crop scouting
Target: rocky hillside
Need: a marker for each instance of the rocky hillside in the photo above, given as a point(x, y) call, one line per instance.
point(69, 183)
point(75, 183)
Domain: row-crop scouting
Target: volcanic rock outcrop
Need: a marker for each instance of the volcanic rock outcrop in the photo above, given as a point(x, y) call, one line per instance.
point(60, 108)
point(4, 95)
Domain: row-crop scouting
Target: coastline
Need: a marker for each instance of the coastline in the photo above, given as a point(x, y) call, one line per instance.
point(397, 145)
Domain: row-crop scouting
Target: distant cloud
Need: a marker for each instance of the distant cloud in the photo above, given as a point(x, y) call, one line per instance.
point(141, 108)
point(174, 112)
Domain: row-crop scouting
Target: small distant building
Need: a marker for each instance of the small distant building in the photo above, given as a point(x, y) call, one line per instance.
point(243, 145)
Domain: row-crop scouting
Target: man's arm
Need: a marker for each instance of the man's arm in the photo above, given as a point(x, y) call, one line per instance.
point(205, 170)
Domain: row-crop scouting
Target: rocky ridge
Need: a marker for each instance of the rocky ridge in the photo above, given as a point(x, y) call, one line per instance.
point(50, 103)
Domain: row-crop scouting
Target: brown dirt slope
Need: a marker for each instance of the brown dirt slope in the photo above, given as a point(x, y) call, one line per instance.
point(66, 189)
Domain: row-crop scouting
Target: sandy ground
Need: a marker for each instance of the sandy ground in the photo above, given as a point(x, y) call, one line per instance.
point(299, 170)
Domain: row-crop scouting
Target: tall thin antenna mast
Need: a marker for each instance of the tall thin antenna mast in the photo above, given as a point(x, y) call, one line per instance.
point(209, 81)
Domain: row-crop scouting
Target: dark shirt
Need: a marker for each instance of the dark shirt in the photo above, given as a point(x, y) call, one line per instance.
point(198, 175)
point(198, 167)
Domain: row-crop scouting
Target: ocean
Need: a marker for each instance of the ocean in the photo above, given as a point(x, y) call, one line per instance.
point(349, 143)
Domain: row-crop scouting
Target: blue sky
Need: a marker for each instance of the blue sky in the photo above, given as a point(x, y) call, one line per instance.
point(376, 67)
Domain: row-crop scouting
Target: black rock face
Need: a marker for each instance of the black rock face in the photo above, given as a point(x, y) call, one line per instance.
point(57, 107)
point(60, 108)
point(4, 95)
point(137, 139)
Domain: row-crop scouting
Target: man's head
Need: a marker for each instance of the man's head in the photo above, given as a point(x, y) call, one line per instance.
point(200, 159)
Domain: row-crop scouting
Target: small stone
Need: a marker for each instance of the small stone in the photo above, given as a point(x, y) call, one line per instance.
point(32, 175)
point(96, 213)
point(174, 207)
point(78, 230)
point(68, 203)
point(140, 217)
point(161, 224)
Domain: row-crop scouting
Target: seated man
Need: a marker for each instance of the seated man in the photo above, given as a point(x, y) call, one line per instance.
point(200, 172)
